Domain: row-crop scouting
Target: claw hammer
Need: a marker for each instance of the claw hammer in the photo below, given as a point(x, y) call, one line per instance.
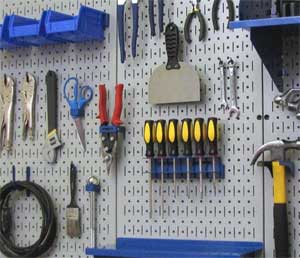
point(278, 167)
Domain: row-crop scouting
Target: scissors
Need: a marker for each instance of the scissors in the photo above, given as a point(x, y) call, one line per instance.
point(82, 96)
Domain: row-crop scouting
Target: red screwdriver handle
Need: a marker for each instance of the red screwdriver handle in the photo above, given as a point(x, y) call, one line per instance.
point(102, 105)
point(116, 119)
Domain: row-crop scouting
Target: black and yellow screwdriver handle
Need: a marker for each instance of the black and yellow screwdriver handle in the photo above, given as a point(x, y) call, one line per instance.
point(212, 135)
point(199, 135)
point(186, 136)
point(280, 210)
point(160, 136)
point(172, 137)
point(149, 137)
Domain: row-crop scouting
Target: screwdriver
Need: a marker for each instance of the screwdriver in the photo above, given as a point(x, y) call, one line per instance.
point(187, 147)
point(199, 138)
point(173, 146)
point(212, 133)
point(161, 148)
point(149, 140)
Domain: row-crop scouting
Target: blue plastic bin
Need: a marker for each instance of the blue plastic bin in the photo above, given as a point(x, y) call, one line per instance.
point(88, 25)
point(26, 31)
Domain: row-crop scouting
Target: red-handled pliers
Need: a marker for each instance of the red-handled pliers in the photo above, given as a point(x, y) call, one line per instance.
point(109, 133)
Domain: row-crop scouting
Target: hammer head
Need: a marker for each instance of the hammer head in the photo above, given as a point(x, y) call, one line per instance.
point(277, 149)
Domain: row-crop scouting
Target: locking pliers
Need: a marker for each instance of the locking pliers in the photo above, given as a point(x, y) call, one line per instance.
point(7, 103)
point(28, 103)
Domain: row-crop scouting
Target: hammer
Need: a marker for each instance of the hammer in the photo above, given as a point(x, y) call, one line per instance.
point(278, 167)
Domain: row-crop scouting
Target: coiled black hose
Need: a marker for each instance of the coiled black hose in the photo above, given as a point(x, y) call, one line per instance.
point(49, 225)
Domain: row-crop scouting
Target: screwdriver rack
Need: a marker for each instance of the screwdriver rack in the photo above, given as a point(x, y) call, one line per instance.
point(181, 167)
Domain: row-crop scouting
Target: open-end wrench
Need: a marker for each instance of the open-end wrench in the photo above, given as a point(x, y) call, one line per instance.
point(222, 68)
point(233, 90)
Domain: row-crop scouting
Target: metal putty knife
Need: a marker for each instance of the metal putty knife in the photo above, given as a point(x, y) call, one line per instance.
point(176, 82)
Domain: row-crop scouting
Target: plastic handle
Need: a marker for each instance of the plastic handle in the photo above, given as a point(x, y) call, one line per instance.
point(52, 96)
point(214, 14)
point(148, 137)
point(161, 15)
point(231, 9)
point(151, 17)
point(199, 136)
point(116, 119)
point(173, 137)
point(135, 26)
point(102, 105)
point(120, 11)
point(172, 45)
point(73, 176)
point(161, 138)
point(186, 136)
point(212, 135)
point(187, 26)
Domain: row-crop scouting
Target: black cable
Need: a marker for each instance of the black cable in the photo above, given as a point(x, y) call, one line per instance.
point(49, 225)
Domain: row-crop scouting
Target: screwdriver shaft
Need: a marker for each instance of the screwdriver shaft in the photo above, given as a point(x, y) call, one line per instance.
point(174, 176)
point(200, 177)
point(214, 174)
point(162, 186)
point(188, 176)
point(150, 191)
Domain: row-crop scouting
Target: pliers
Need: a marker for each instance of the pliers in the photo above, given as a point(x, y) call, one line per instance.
point(160, 16)
point(215, 9)
point(121, 29)
point(109, 133)
point(187, 26)
point(28, 103)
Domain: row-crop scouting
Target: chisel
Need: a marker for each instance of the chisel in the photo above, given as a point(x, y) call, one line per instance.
point(187, 148)
point(149, 140)
point(161, 147)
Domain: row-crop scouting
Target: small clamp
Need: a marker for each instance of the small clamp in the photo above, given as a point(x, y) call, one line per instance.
point(109, 133)
point(7, 103)
point(215, 8)
point(290, 99)
point(28, 102)
point(187, 26)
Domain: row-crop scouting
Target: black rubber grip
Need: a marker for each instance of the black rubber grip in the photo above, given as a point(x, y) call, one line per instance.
point(202, 29)
point(52, 96)
point(151, 17)
point(231, 9)
point(172, 45)
point(214, 14)
point(187, 26)
point(281, 231)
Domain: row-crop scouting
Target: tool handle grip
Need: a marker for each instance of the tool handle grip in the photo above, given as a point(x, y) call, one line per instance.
point(73, 177)
point(161, 138)
point(151, 17)
point(121, 17)
point(52, 96)
point(172, 45)
point(161, 15)
point(202, 29)
point(172, 136)
point(149, 138)
point(102, 105)
point(135, 26)
point(199, 136)
point(212, 135)
point(186, 136)
point(281, 230)
point(231, 10)
point(116, 118)
point(214, 14)
point(187, 27)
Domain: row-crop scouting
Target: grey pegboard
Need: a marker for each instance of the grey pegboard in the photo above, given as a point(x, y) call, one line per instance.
point(236, 212)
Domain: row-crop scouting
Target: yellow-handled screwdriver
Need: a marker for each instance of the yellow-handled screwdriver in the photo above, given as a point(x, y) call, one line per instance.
point(149, 137)
point(212, 135)
point(161, 148)
point(173, 146)
point(186, 137)
point(199, 134)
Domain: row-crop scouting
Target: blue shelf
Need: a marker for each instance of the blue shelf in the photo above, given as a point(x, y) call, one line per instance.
point(267, 36)
point(161, 248)
point(267, 22)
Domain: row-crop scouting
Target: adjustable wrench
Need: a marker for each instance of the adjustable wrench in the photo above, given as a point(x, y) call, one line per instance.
point(233, 90)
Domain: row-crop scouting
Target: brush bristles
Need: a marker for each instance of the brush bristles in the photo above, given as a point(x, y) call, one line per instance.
point(73, 222)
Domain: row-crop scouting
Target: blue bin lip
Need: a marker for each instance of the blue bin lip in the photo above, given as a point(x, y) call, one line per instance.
point(30, 27)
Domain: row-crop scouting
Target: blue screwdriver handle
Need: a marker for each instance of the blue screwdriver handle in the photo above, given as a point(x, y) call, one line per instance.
point(151, 17)
point(135, 26)
point(161, 15)
point(121, 14)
